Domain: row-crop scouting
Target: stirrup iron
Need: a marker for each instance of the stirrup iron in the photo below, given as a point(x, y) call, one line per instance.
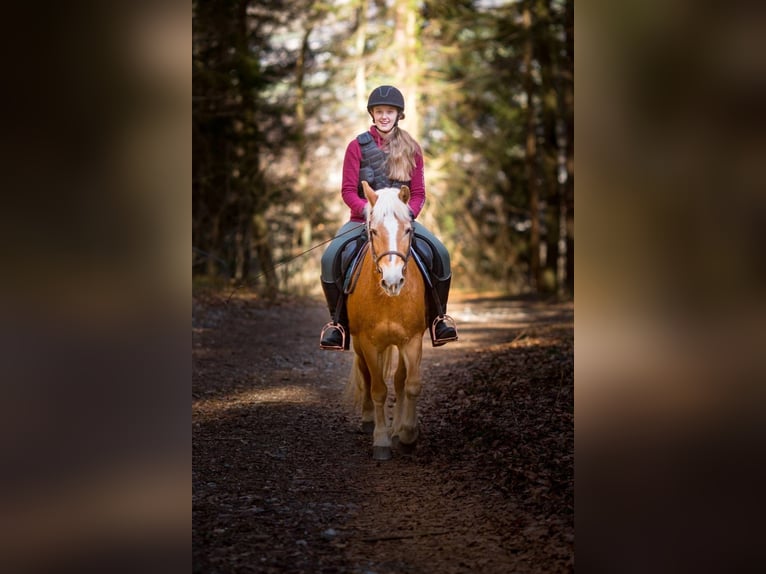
point(339, 327)
point(450, 322)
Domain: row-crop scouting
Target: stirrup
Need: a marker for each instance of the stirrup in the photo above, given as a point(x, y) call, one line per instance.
point(442, 319)
point(338, 327)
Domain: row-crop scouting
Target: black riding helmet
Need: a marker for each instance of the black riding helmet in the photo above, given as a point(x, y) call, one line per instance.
point(385, 96)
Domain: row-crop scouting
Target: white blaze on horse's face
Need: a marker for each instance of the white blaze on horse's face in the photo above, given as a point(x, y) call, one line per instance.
point(392, 265)
point(390, 229)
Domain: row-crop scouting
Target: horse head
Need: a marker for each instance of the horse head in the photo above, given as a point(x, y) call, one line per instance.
point(389, 225)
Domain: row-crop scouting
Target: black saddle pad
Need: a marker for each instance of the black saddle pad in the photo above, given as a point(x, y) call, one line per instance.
point(425, 250)
point(348, 255)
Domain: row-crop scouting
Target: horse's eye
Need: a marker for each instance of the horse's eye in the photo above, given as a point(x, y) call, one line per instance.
point(373, 231)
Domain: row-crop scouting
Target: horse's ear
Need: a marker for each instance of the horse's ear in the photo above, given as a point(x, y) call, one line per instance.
point(404, 194)
point(371, 196)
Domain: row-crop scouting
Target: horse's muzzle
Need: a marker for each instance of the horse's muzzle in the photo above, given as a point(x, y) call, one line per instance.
point(392, 287)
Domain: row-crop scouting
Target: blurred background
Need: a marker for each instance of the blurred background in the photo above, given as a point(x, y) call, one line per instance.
point(280, 88)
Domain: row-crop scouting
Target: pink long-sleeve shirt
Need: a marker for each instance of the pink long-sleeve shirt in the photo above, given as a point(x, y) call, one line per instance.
point(351, 163)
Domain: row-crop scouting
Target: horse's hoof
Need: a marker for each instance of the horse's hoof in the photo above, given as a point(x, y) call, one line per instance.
point(368, 427)
point(381, 452)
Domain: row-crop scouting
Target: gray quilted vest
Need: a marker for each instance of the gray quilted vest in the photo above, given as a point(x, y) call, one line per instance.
point(372, 169)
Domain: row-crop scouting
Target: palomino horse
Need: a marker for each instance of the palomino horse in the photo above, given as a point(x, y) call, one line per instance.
point(385, 310)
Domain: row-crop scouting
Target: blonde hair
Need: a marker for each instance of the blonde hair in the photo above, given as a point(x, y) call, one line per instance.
point(402, 149)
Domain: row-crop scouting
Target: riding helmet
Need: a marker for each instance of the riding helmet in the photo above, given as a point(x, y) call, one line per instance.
point(385, 96)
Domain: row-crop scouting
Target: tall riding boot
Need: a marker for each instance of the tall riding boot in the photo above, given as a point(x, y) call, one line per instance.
point(441, 326)
point(333, 334)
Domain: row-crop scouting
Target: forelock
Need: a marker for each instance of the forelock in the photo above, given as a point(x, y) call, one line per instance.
point(389, 204)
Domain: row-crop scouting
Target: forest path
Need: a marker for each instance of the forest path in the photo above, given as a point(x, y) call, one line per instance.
point(283, 478)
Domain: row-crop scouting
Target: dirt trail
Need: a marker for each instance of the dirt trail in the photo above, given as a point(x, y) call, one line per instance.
point(283, 479)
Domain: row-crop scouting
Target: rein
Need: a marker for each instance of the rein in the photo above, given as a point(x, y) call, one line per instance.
point(284, 261)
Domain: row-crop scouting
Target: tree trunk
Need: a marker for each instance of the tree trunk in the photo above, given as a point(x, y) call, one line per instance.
point(301, 186)
point(552, 256)
point(531, 157)
point(211, 265)
point(561, 224)
point(300, 112)
point(263, 252)
point(569, 116)
point(360, 80)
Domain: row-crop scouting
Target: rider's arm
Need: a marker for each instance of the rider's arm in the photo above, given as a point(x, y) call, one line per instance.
point(351, 163)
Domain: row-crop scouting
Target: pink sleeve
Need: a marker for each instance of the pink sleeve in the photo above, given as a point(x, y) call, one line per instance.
point(417, 186)
point(351, 163)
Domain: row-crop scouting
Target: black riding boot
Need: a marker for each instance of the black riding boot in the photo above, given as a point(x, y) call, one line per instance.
point(333, 336)
point(441, 326)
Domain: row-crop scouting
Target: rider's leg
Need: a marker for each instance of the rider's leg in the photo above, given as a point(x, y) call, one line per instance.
point(335, 332)
point(440, 325)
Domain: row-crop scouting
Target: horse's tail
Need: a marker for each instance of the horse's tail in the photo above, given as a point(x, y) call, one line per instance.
point(354, 391)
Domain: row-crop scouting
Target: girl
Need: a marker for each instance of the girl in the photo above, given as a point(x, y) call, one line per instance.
point(384, 156)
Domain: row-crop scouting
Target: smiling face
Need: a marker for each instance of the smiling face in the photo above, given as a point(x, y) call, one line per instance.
point(384, 117)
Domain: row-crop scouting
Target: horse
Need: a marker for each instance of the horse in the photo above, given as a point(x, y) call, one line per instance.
point(386, 311)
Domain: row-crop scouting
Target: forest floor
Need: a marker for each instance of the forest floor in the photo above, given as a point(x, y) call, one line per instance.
point(284, 480)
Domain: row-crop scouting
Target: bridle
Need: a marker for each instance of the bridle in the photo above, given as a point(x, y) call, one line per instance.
point(376, 258)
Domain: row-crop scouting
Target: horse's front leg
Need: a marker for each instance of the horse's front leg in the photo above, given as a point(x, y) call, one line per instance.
point(399, 378)
point(381, 438)
point(368, 409)
point(411, 353)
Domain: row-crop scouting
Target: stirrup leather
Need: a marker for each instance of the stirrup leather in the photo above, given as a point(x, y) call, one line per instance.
point(339, 327)
point(449, 321)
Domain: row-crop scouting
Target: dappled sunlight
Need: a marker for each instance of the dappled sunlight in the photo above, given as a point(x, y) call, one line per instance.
point(489, 308)
point(471, 314)
point(279, 395)
point(476, 341)
point(473, 337)
point(525, 323)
